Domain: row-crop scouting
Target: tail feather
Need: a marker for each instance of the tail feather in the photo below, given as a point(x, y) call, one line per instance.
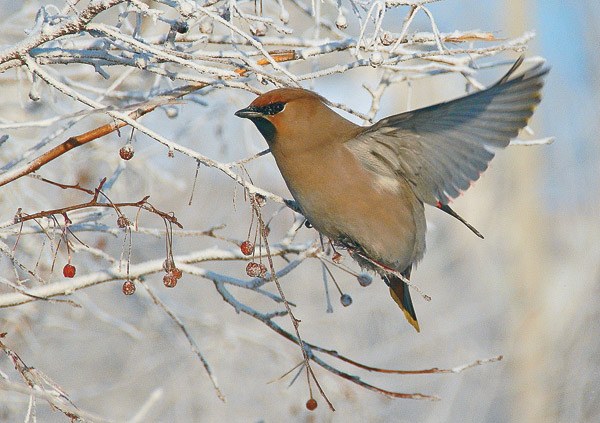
point(401, 294)
point(447, 209)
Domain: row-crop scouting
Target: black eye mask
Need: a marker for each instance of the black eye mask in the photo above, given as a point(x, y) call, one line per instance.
point(270, 109)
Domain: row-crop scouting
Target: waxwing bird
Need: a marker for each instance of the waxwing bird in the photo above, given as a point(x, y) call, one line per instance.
point(365, 187)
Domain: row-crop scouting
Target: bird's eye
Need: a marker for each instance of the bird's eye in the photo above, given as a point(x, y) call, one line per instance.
point(273, 108)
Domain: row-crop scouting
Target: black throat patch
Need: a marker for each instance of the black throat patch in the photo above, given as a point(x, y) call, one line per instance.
point(266, 128)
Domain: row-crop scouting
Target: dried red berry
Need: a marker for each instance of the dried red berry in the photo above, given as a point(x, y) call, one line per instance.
point(263, 270)
point(123, 222)
point(170, 280)
point(337, 258)
point(253, 269)
point(260, 200)
point(126, 152)
point(247, 248)
point(177, 273)
point(346, 300)
point(128, 287)
point(311, 404)
point(364, 279)
point(69, 271)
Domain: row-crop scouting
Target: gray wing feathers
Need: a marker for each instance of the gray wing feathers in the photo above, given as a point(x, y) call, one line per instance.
point(440, 150)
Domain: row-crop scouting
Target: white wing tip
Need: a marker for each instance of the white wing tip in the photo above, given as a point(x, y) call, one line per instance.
point(539, 141)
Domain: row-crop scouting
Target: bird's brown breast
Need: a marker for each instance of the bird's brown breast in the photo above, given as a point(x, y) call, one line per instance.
point(343, 200)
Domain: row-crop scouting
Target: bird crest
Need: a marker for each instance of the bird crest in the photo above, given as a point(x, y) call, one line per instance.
point(285, 95)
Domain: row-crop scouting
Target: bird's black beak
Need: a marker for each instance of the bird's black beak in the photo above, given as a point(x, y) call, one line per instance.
point(257, 117)
point(249, 112)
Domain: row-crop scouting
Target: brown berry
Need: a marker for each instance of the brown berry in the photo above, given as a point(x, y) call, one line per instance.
point(126, 152)
point(253, 269)
point(260, 200)
point(337, 258)
point(128, 287)
point(247, 248)
point(177, 273)
point(263, 270)
point(123, 222)
point(311, 404)
point(169, 280)
point(69, 271)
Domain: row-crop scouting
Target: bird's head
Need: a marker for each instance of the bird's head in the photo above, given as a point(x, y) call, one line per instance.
point(295, 115)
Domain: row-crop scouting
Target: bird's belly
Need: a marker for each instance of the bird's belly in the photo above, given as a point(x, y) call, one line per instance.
point(349, 204)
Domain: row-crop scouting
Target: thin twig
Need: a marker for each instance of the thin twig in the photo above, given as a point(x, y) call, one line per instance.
point(188, 336)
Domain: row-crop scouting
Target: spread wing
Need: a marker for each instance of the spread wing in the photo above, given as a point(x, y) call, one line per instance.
point(440, 150)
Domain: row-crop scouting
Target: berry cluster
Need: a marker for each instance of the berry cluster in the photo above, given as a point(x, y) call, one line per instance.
point(173, 273)
point(254, 269)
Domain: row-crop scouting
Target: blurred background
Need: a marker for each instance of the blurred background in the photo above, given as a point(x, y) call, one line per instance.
point(528, 291)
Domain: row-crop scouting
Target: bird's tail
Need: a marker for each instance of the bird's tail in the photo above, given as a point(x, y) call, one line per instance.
point(401, 294)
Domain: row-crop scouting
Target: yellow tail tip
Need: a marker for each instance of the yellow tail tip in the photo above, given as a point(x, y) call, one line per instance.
point(413, 322)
